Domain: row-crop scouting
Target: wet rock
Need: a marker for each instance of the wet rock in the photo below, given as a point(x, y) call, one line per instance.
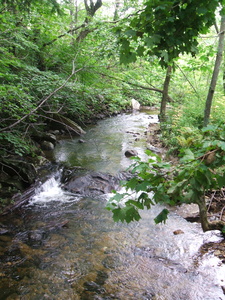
point(101, 277)
point(48, 146)
point(19, 173)
point(3, 230)
point(5, 238)
point(93, 287)
point(91, 184)
point(190, 212)
point(50, 138)
point(41, 137)
point(130, 153)
point(223, 288)
point(135, 104)
point(178, 231)
point(154, 149)
point(36, 235)
point(111, 262)
point(19, 200)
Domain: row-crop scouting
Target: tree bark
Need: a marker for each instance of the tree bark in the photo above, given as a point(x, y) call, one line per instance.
point(165, 95)
point(203, 214)
point(216, 70)
point(91, 10)
point(92, 7)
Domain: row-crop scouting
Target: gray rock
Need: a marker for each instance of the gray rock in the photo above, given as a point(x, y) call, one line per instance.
point(45, 145)
point(91, 184)
point(130, 153)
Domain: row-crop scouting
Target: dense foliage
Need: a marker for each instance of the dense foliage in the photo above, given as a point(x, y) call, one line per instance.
point(167, 29)
point(199, 171)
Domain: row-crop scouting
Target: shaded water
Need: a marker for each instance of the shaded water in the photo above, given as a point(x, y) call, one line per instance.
point(67, 247)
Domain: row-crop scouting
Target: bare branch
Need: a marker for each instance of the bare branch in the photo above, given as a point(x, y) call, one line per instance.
point(72, 30)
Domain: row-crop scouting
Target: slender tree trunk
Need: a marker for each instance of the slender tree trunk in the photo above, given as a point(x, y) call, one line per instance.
point(165, 96)
point(203, 214)
point(73, 15)
point(218, 61)
point(117, 5)
point(224, 82)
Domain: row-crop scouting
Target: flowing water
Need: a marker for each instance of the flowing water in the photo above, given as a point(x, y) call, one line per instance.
point(62, 246)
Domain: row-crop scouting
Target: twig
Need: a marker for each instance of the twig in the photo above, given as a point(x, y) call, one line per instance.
point(188, 80)
point(221, 214)
point(210, 202)
point(14, 170)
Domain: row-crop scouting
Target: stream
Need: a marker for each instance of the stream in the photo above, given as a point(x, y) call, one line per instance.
point(64, 246)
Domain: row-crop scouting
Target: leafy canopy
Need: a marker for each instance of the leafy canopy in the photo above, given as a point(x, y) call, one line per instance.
point(166, 29)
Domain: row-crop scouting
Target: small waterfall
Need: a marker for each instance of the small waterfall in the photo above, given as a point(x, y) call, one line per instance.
point(50, 191)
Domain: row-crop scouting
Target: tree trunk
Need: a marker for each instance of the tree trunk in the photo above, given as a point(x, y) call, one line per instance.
point(206, 225)
point(117, 5)
point(91, 9)
point(165, 96)
point(216, 70)
point(203, 214)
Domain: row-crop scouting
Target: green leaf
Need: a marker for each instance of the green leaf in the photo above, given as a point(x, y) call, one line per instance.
point(119, 214)
point(127, 57)
point(223, 229)
point(162, 216)
point(149, 42)
point(132, 183)
point(118, 197)
point(221, 180)
point(135, 203)
point(130, 32)
point(209, 128)
point(142, 186)
point(128, 214)
point(221, 145)
point(140, 50)
point(188, 156)
point(165, 56)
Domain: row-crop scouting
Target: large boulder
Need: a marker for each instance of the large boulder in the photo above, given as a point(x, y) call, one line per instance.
point(91, 184)
point(130, 153)
point(47, 146)
point(135, 104)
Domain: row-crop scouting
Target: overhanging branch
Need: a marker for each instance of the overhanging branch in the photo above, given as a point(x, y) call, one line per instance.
point(137, 85)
